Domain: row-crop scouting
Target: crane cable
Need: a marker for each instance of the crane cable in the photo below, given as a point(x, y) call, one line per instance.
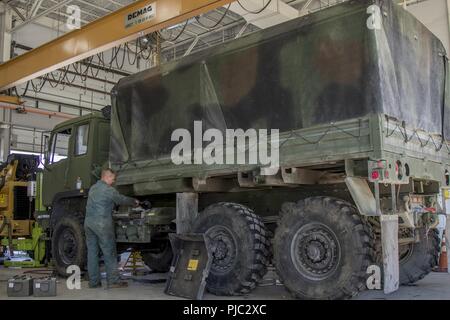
point(108, 67)
point(218, 22)
point(254, 12)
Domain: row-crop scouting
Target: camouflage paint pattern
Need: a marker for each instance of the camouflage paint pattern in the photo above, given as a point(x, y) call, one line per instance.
point(327, 67)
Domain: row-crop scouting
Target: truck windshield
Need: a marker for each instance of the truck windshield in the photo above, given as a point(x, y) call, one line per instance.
point(60, 146)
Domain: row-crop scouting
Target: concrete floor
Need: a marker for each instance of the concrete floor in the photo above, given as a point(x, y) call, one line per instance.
point(436, 286)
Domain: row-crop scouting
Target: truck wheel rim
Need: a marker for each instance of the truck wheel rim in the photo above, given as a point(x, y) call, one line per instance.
point(223, 247)
point(315, 251)
point(67, 246)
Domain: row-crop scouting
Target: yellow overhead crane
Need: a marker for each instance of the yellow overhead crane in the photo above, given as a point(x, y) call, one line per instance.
point(10, 100)
point(129, 23)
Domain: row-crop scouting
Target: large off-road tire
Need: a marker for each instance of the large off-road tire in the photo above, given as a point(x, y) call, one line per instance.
point(239, 247)
point(322, 249)
point(418, 259)
point(69, 243)
point(160, 261)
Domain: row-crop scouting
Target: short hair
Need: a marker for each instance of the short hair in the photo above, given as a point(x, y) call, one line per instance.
point(108, 171)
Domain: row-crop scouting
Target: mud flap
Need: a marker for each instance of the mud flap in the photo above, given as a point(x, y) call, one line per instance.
point(389, 245)
point(190, 266)
point(362, 195)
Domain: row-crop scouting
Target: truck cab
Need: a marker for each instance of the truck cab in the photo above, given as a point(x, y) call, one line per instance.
point(74, 152)
point(77, 150)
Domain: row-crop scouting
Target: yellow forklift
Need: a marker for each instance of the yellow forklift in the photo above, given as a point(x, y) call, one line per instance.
point(20, 208)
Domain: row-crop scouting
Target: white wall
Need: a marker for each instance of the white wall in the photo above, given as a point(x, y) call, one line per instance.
point(434, 15)
point(34, 35)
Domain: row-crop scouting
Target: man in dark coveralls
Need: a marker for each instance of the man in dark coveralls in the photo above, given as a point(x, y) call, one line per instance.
point(99, 230)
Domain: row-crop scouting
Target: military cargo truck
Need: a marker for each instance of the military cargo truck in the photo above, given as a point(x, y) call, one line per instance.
point(359, 94)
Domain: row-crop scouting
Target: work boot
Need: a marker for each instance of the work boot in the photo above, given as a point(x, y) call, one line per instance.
point(119, 284)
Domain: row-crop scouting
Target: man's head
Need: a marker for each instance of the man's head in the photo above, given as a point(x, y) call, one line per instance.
point(108, 176)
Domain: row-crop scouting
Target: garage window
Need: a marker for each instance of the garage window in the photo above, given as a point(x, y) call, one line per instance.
point(81, 143)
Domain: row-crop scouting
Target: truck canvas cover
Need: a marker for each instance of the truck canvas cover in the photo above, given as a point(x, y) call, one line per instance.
point(321, 68)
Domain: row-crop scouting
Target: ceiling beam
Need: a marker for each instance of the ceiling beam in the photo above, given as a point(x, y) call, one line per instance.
point(98, 36)
point(18, 13)
point(42, 14)
point(35, 8)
